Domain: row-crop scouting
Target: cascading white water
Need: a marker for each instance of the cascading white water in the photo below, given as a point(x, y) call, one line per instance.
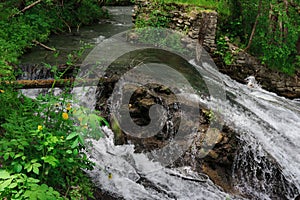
point(130, 175)
point(268, 160)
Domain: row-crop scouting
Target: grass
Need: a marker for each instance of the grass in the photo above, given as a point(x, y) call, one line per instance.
point(219, 5)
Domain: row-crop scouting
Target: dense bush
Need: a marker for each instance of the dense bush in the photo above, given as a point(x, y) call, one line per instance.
point(42, 146)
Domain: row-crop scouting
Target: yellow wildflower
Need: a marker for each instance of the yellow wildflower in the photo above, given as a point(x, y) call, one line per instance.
point(1, 91)
point(40, 127)
point(62, 137)
point(85, 126)
point(65, 116)
point(68, 106)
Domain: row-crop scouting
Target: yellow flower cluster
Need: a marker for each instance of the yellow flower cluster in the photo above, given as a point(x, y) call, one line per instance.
point(2, 91)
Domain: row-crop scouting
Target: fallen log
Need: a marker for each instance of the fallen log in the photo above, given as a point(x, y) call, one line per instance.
point(61, 83)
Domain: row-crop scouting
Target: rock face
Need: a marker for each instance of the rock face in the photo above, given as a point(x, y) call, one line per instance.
point(200, 26)
point(245, 65)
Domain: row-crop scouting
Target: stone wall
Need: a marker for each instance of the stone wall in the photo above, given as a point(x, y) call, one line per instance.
point(200, 26)
point(119, 3)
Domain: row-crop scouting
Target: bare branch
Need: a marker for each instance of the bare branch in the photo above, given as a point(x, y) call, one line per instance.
point(28, 7)
point(254, 26)
point(44, 46)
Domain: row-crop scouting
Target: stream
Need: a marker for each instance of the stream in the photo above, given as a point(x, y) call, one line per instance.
point(266, 164)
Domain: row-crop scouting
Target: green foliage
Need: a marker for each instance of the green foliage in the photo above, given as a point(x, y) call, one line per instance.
point(221, 5)
point(163, 38)
point(20, 186)
point(42, 146)
point(159, 17)
point(275, 35)
point(19, 29)
point(223, 51)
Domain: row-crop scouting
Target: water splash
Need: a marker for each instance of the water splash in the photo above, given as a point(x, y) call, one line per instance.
point(134, 176)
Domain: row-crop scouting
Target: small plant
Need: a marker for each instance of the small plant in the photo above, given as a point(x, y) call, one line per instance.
point(223, 51)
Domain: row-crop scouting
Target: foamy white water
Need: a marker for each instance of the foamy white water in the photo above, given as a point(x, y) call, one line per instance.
point(134, 176)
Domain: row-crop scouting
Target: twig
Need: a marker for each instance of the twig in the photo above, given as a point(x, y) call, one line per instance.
point(31, 5)
point(44, 46)
point(27, 7)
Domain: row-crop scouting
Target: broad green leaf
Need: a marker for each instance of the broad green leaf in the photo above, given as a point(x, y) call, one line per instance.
point(13, 185)
point(5, 184)
point(12, 154)
point(35, 167)
point(75, 143)
point(21, 147)
point(6, 156)
point(71, 136)
point(33, 180)
point(51, 160)
point(81, 139)
point(18, 168)
point(75, 152)
point(18, 155)
point(4, 174)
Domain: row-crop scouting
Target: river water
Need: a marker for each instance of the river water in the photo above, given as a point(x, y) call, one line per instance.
point(268, 127)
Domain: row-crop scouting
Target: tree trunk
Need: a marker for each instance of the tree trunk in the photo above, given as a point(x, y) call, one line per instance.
point(254, 26)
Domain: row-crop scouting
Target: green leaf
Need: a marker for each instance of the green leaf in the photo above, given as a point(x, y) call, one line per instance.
point(6, 156)
point(29, 168)
point(75, 143)
point(18, 155)
point(69, 151)
point(13, 185)
point(18, 168)
point(71, 136)
point(81, 139)
point(21, 147)
point(33, 180)
point(51, 160)
point(75, 152)
point(12, 154)
point(4, 174)
point(35, 167)
point(5, 184)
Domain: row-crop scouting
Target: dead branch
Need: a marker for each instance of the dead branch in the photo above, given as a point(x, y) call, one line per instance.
point(43, 45)
point(28, 7)
point(254, 26)
point(31, 5)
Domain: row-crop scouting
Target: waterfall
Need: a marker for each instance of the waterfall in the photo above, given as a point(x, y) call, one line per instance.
point(267, 165)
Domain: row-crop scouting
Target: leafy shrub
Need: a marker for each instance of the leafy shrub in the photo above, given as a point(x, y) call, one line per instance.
point(42, 146)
